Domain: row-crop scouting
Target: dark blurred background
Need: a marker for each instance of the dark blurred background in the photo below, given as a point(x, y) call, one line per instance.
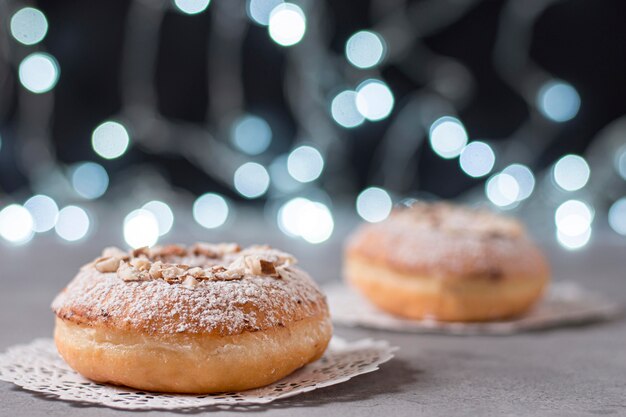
point(308, 109)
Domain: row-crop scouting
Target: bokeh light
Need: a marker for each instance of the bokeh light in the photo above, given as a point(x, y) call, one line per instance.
point(29, 26)
point(573, 218)
point(44, 211)
point(110, 140)
point(448, 137)
point(374, 204)
point(251, 180)
point(251, 135)
point(344, 111)
point(39, 72)
point(281, 180)
point(259, 10)
point(287, 24)
point(316, 224)
point(573, 221)
point(305, 164)
point(524, 177)
point(617, 216)
point(210, 210)
point(141, 228)
point(73, 223)
point(558, 101)
point(477, 159)
point(573, 242)
point(289, 215)
point(192, 6)
point(16, 224)
point(571, 172)
point(90, 180)
point(310, 220)
point(163, 214)
point(374, 99)
point(365, 49)
point(502, 190)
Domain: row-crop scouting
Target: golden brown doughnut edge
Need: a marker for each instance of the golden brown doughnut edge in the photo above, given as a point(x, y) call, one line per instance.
point(199, 319)
point(445, 262)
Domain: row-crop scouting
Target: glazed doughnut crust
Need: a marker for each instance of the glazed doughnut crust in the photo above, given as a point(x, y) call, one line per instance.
point(448, 263)
point(187, 321)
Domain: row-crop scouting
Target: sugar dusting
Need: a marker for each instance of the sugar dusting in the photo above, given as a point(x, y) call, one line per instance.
point(445, 240)
point(227, 307)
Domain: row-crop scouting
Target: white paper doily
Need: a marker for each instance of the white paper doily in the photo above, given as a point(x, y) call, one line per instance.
point(565, 303)
point(38, 367)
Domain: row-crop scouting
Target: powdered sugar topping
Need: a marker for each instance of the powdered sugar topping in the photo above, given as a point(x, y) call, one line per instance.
point(203, 261)
point(202, 288)
point(449, 241)
point(458, 220)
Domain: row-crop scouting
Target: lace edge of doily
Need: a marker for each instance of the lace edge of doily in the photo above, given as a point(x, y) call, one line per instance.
point(387, 353)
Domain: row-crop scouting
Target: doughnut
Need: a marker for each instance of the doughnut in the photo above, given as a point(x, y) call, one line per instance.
point(446, 262)
point(200, 319)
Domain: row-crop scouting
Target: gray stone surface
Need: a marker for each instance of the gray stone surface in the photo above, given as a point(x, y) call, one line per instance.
point(570, 371)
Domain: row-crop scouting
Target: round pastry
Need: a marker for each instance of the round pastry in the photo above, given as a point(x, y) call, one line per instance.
point(448, 263)
point(208, 318)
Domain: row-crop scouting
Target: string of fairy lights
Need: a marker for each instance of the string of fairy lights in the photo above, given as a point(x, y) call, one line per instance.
point(289, 181)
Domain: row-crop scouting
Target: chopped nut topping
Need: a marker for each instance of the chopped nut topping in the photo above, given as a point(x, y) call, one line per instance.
point(256, 265)
point(235, 270)
point(269, 254)
point(282, 271)
point(214, 251)
point(107, 264)
point(171, 250)
point(127, 273)
point(173, 280)
point(142, 264)
point(196, 272)
point(171, 272)
point(226, 248)
point(190, 282)
point(141, 251)
point(156, 270)
point(253, 264)
point(202, 262)
point(203, 249)
point(267, 268)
